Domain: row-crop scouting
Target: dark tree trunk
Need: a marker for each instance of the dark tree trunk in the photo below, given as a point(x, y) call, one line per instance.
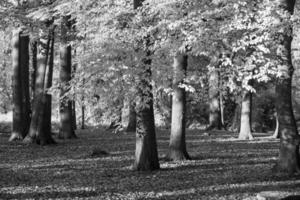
point(177, 145)
point(21, 96)
point(48, 84)
point(214, 102)
point(131, 127)
point(66, 130)
point(146, 155)
point(236, 121)
point(289, 138)
point(74, 123)
point(83, 116)
point(245, 128)
point(33, 67)
point(36, 133)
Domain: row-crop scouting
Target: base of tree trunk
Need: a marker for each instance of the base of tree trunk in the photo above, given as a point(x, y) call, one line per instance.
point(15, 137)
point(246, 136)
point(65, 137)
point(43, 142)
point(177, 155)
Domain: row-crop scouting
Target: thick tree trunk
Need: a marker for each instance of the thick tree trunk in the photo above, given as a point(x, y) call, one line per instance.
point(289, 160)
point(66, 130)
point(245, 128)
point(146, 155)
point(177, 145)
point(21, 96)
point(36, 133)
point(214, 102)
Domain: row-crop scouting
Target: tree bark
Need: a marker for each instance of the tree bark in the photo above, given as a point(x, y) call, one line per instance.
point(21, 96)
point(36, 133)
point(66, 130)
point(33, 67)
point(74, 123)
point(146, 155)
point(48, 85)
point(129, 116)
point(289, 138)
point(245, 127)
point(214, 102)
point(177, 145)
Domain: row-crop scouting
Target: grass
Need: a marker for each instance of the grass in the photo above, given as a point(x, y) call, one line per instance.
point(97, 166)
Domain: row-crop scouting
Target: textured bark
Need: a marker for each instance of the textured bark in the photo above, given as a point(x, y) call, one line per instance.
point(245, 127)
point(74, 123)
point(289, 139)
point(36, 133)
point(214, 101)
point(146, 155)
point(21, 96)
point(66, 129)
point(177, 145)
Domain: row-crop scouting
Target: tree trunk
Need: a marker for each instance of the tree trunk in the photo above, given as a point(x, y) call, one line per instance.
point(146, 155)
point(21, 96)
point(129, 116)
point(177, 145)
point(236, 121)
point(214, 101)
point(74, 123)
point(33, 67)
point(66, 130)
point(245, 128)
point(289, 139)
point(48, 85)
point(276, 132)
point(36, 133)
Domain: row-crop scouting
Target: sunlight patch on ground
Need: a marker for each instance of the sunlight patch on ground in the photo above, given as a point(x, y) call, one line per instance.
point(49, 188)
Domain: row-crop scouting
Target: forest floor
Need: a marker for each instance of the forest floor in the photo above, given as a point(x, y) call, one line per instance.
point(222, 168)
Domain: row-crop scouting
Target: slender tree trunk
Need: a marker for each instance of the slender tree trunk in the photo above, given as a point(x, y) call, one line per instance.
point(48, 85)
point(289, 160)
point(276, 132)
point(36, 133)
point(33, 67)
point(66, 130)
point(177, 145)
point(214, 101)
point(245, 128)
point(74, 123)
point(21, 96)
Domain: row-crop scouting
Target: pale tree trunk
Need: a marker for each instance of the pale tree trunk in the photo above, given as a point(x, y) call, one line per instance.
point(74, 123)
point(177, 145)
point(245, 127)
point(129, 116)
point(276, 132)
point(21, 96)
point(214, 101)
point(146, 155)
point(36, 133)
point(289, 139)
point(66, 130)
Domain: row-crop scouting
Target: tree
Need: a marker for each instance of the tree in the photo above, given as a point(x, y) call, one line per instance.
point(37, 133)
point(177, 144)
point(66, 129)
point(289, 160)
point(146, 155)
point(21, 99)
point(246, 109)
